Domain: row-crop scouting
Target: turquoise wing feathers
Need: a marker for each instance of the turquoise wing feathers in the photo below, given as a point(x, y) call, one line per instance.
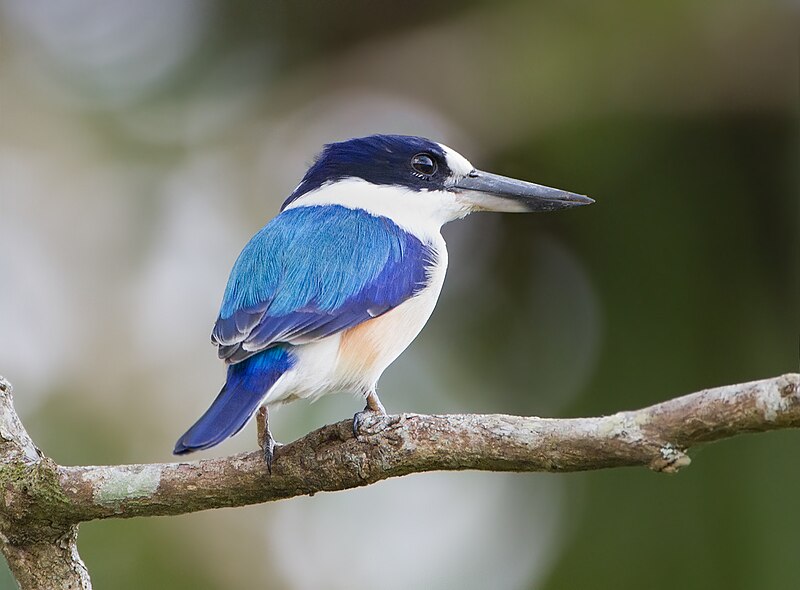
point(314, 271)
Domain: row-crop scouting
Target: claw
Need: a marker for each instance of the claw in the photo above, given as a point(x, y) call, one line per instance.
point(359, 421)
point(269, 452)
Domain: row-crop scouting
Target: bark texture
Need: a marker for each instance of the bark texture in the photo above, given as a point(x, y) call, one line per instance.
point(39, 542)
point(42, 503)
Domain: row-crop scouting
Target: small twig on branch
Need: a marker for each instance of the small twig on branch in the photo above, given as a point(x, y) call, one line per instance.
point(43, 502)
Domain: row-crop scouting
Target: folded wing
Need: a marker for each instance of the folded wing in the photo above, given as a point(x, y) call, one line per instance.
point(312, 272)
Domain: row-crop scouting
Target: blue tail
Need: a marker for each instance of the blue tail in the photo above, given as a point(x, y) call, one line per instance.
point(247, 384)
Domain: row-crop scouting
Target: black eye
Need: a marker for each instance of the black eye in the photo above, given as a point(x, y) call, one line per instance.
point(424, 164)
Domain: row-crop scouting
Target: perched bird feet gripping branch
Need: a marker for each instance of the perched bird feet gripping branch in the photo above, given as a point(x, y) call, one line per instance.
point(330, 292)
point(265, 440)
point(367, 420)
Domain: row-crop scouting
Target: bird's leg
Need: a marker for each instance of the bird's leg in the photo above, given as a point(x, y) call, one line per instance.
point(373, 409)
point(265, 440)
point(374, 404)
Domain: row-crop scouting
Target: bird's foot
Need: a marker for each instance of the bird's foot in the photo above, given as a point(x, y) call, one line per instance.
point(269, 449)
point(268, 444)
point(365, 421)
point(372, 419)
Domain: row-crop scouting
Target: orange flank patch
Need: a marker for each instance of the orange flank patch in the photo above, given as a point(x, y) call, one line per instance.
point(359, 347)
point(368, 348)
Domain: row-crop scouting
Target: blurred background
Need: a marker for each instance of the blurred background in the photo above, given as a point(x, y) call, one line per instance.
point(143, 143)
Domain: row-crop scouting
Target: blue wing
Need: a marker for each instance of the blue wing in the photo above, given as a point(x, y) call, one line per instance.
point(314, 271)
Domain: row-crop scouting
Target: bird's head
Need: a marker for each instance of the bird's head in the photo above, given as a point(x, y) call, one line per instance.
point(387, 174)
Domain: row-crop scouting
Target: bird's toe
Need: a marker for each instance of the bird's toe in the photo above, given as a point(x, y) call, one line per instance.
point(369, 422)
point(269, 448)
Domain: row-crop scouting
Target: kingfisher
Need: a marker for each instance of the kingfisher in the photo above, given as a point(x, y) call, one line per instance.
point(335, 287)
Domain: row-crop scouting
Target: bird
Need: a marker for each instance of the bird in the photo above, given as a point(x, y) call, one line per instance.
point(336, 286)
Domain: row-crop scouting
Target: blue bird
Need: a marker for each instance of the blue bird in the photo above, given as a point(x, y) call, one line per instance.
point(330, 292)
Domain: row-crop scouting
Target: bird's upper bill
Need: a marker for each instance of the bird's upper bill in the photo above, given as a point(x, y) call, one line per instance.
point(484, 191)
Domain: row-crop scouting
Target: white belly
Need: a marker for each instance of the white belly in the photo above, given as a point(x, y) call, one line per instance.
point(354, 359)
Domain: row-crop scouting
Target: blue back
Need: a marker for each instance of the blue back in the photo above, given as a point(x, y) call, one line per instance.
point(314, 271)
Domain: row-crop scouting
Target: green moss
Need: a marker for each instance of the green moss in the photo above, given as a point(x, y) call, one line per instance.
point(32, 497)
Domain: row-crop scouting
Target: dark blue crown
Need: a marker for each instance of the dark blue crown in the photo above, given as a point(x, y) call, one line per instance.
point(378, 159)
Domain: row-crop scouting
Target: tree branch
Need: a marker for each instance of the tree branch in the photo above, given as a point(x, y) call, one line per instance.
point(43, 502)
point(39, 543)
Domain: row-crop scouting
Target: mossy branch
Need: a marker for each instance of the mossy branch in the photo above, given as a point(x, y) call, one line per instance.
point(42, 503)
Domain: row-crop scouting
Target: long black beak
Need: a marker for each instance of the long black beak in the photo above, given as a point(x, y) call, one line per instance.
point(491, 192)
